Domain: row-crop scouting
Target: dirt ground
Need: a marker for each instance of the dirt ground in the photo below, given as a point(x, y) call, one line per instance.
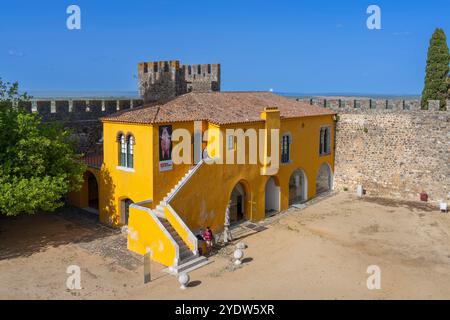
point(320, 252)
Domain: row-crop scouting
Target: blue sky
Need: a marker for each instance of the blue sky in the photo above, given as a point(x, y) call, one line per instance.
point(290, 46)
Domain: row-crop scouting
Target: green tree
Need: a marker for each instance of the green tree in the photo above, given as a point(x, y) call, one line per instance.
point(38, 162)
point(437, 85)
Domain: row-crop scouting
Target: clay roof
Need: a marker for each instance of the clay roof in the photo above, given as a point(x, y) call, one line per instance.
point(219, 108)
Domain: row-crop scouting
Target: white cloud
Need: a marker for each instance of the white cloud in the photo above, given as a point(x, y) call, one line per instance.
point(15, 53)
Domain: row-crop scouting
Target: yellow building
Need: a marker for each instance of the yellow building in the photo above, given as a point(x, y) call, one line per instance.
point(170, 170)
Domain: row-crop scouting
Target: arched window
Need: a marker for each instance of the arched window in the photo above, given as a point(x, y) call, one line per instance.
point(126, 150)
point(122, 150)
point(130, 152)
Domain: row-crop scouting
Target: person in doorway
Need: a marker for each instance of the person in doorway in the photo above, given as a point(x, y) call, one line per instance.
point(227, 232)
point(208, 237)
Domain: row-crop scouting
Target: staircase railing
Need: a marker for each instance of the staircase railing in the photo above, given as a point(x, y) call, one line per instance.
point(176, 221)
point(183, 182)
point(145, 231)
point(181, 228)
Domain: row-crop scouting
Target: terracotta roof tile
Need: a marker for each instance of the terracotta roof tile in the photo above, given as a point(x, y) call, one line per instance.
point(219, 108)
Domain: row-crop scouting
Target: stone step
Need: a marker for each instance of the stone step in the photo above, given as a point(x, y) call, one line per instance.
point(191, 264)
point(185, 255)
point(182, 246)
point(174, 234)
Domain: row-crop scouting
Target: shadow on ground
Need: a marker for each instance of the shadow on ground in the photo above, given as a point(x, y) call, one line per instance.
point(396, 203)
point(24, 235)
point(194, 283)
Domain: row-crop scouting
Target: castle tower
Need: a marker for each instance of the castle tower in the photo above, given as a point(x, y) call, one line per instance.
point(202, 77)
point(165, 80)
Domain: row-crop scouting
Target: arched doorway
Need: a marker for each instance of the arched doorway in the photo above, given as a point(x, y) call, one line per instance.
point(298, 187)
point(272, 197)
point(93, 202)
point(238, 201)
point(324, 179)
point(125, 210)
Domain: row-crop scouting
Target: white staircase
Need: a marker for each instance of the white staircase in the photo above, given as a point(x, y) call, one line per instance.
point(188, 260)
point(178, 186)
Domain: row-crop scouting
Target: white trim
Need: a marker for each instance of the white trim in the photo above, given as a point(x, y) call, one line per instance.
point(191, 237)
point(305, 187)
point(144, 202)
point(276, 191)
point(304, 190)
point(183, 182)
point(125, 169)
point(163, 229)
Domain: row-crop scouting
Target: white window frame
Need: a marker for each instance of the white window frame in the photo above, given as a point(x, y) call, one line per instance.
point(126, 148)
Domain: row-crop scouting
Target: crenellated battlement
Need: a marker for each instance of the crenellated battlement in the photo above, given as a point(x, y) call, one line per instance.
point(70, 110)
point(164, 80)
point(202, 77)
point(358, 105)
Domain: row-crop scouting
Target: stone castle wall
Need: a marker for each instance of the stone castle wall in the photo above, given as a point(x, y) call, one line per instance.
point(158, 82)
point(81, 116)
point(391, 147)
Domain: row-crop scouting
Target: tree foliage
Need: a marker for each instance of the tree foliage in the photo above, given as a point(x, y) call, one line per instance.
point(437, 84)
point(38, 162)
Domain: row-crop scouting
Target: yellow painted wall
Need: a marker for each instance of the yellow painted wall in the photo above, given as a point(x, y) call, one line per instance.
point(179, 227)
point(117, 184)
point(304, 152)
point(145, 234)
point(80, 198)
point(164, 181)
point(203, 200)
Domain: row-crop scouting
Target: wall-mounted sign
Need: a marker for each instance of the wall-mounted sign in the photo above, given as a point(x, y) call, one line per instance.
point(165, 148)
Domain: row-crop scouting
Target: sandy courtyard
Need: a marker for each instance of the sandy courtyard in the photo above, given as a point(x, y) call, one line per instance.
point(320, 252)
